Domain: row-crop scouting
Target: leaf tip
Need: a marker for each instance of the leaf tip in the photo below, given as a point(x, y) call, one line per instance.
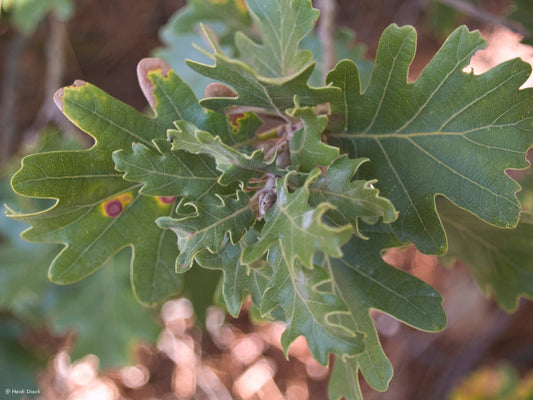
point(58, 95)
point(144, 67)
point(58, 98)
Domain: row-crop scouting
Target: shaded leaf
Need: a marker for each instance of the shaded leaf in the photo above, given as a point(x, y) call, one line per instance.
point(232, 13)
point(27, 14)
point(200, 287)
point(23, 282)
point(345, 48)
point(439, 127)
point(500, 260)
point(181, 32)
point(20, 364)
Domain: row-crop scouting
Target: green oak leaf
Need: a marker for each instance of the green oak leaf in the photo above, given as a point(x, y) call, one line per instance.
point(170, 172)
point(239, 279)
point(297, 227)
point(500, 260)
point(281, 26)
point(364, 281)
point(309, 308)
point(86, 182)
point(306, 147)
point(234, 165)
point(206, 227)
point(256, 92)
point(353, 199)
point(449, 132)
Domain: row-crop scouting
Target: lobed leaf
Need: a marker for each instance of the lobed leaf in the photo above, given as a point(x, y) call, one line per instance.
point(97, 213)
point(256, 92)
point(297, 227)
point(234, 165)
point(307, 150)
point(239, 279)
point(458, 131)
point(364, 281)
point(352, 199)
point(281, 26)
point(308, 307)
point(206, 228)
point(170, 172)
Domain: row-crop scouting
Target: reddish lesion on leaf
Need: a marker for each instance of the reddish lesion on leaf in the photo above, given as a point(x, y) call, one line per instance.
point(165, 201)
point(112, 208)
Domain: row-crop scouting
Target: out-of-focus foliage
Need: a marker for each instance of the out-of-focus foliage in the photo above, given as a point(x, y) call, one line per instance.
point(501, 382)
point(26, 14)
point(523, 13)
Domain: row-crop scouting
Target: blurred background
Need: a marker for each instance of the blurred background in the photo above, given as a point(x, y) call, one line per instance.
point(92, 340)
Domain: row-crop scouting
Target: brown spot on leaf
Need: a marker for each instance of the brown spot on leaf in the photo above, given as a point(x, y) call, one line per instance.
point(165, 200)
point(58, 98)
point(58, 95)
point(218, 90)
point(145, 66)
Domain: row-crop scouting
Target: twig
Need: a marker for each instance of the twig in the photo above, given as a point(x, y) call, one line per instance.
point(326, 32)
point(483, 16)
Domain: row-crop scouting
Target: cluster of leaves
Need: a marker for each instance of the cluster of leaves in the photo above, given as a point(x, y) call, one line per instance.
point(279, 191)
